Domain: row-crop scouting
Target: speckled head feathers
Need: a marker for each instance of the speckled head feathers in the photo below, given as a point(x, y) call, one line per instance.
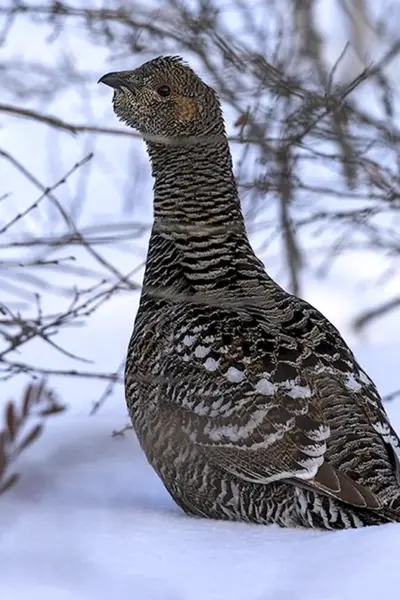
point(165, 97)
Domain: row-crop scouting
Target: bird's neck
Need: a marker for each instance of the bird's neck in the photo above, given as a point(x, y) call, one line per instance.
point(198, 221)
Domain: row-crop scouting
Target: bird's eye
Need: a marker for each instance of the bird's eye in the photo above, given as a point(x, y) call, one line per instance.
point(164, 91)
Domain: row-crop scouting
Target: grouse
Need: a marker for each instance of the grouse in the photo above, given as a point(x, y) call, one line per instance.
point(245, 399)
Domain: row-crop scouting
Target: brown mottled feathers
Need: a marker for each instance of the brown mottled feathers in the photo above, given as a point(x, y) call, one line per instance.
point(246, 400)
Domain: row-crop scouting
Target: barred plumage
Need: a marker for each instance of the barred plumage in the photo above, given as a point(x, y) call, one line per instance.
point(246, 400)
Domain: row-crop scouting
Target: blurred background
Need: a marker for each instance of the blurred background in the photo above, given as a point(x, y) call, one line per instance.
point(311, 99)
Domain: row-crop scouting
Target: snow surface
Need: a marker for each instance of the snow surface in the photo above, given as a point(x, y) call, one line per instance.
point(90, 520)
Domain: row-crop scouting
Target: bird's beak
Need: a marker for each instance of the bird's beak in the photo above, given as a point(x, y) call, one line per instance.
point(114, 80)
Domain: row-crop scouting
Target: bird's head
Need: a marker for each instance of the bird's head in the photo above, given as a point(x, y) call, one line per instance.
point(164, 98)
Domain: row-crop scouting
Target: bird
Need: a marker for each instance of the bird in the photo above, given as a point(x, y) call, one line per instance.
point(245, 399)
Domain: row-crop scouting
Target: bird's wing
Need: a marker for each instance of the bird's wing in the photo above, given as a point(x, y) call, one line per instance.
point(244, 402)
point(333, 360)
point(270, 443)
point(339, 363)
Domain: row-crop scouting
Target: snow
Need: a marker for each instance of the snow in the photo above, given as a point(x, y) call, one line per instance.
point(90, 520)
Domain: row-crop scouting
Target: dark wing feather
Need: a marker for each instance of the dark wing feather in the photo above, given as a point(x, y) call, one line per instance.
point(333, 482)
